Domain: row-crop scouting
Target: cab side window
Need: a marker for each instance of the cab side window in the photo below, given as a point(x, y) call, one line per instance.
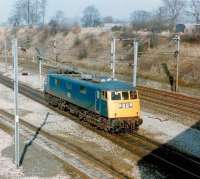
point(116, 96)
point(133, 95)
point(125, 96)
point(104, 95)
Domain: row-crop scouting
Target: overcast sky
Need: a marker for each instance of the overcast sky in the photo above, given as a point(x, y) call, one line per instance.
point(73, 8)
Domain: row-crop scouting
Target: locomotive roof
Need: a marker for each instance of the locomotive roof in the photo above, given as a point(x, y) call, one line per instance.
point(102, 85)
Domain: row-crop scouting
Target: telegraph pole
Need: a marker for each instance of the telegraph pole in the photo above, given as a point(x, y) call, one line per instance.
point(111, 52)
point(135, 44)
point(177, 39)
point(5, 56)
point(15, 61)
point(55, 50)
point(28, 11)
point(40, 67)
point(40, 70)
point(113, 58)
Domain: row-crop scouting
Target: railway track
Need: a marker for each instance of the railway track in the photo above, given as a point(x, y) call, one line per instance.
point(179, 163)
point(85, 165)
point(7, 124)
point(169, 101)
point(174, 161)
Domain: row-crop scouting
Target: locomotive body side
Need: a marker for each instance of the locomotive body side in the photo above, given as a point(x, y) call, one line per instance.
point(77, 92)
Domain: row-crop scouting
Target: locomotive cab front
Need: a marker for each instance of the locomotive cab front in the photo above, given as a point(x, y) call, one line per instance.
point(123, 105)
point(123, 109)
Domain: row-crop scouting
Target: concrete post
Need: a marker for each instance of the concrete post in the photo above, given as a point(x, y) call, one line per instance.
point(40, 71)
point(15, 61)
point(5, 56)
point(114, 59)
point(135, 44)
point(177, 61)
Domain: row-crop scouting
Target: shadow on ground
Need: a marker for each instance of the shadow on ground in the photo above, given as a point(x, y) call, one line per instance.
point(36, 161)
point(189, 140)
point(32, 140)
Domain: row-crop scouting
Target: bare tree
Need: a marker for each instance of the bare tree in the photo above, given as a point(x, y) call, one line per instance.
point(159, 19)
point(140, 19)
point(34, 12)
point(91, 17)
point(174, 9)
point(43, 10)
point(59, 22)
point(60, 17)
point(195, 10)
point(21, 12)
point(29, 12)
point(16, 18)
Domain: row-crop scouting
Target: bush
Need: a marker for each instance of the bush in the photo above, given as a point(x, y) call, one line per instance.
point(14, 31)
point(66, 32)
point(82, 53)
point(128, 33)
point(91, 40)
point(55, 27)
point(28, 42)
point(89, 36)
point(45, 34)
point(117, 28)
point(154, 40)
point(191, 38)
point(141, 47)
point(76, 29)
point(77, 41)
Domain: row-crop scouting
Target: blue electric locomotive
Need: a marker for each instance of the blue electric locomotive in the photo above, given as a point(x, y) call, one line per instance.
point(111, 105)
